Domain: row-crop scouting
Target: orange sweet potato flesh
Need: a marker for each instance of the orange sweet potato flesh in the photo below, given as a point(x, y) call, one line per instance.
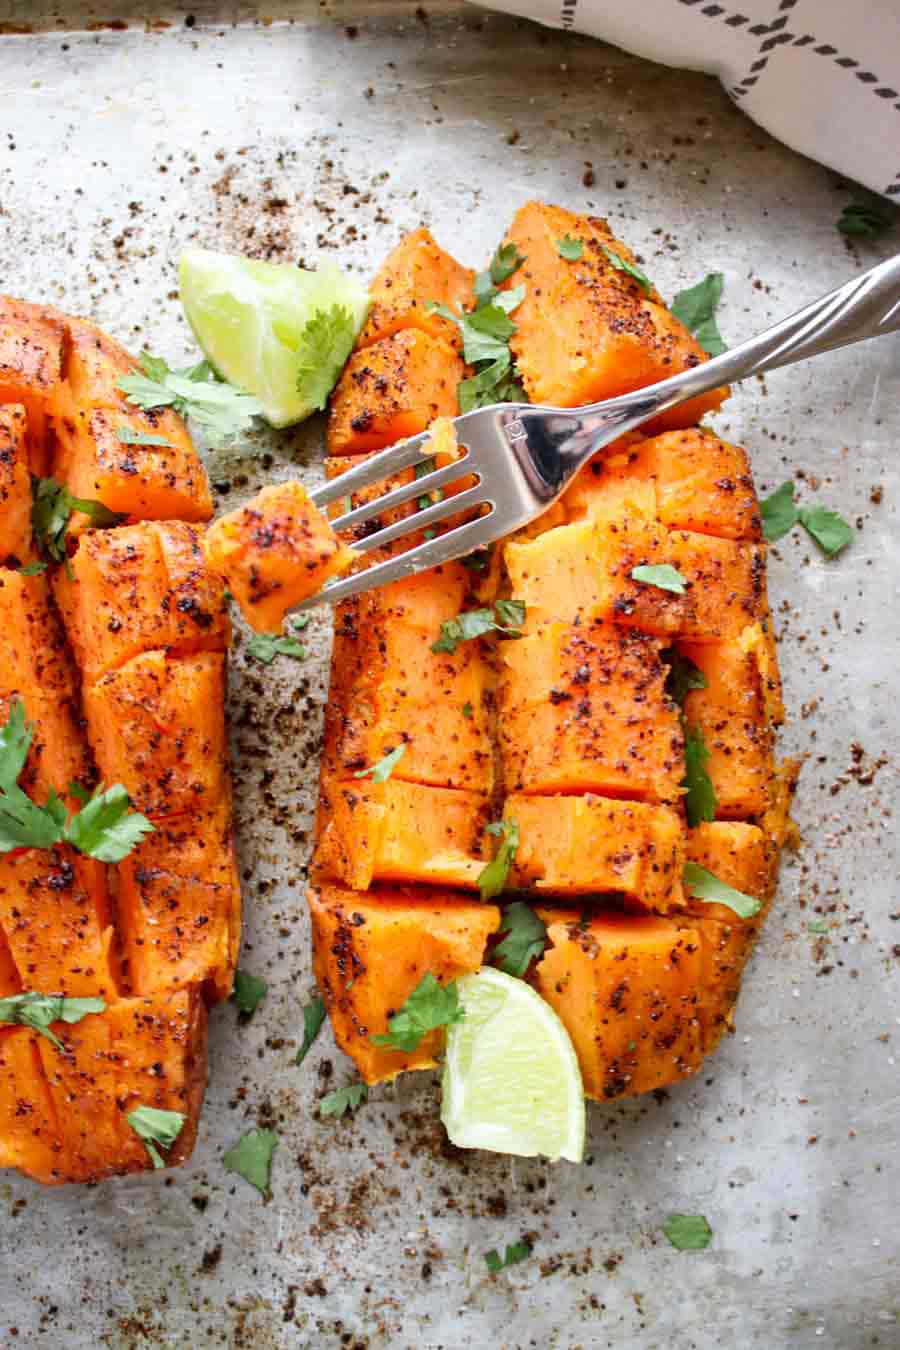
point(31, 357)
point(415, 272)
point(140, 588)
point(370, 950)
point(274, 552)
point(400, 832)
point(583, 708)
point(626, 989)
point(392, 389)
point(16, 546)
point(30, 1137)
point(56, 917)
point(592, 845)
point(587, 330)
point(9, 975)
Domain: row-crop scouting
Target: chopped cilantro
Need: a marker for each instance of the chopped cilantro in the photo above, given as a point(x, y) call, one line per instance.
point(683, 676)
point(780, 513)
point(325, 343)
point(33, 569)
point(688, 1232)
point(344, 1099)
point(313, 1018)
point(863, 221)
point(221, 410)
point(128, 436)
point(662, 575)
point(486, 331)
point(525, 940)
point(251, 1158)
point(817, 926)
point(696, 308)
point(51, 512)
point(249, 991)
point(700, 795)
point(39, 1011)
point(467, 710)
point(156, 1127)
point(515, 1252)
point(493, 878)
point(703, 885)
point(623, 265)
point(430, 1005)
point(569, 248)
point(506, 616)
point(264, 647)
point(382, 771)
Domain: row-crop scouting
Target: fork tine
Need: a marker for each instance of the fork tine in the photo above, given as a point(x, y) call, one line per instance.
point(403, 455)
point(420, 487)
point(432, 515)
point(456, 543)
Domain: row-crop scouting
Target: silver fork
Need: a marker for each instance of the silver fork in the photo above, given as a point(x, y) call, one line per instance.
point(524, 455)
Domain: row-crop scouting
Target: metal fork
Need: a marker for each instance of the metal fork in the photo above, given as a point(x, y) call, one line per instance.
point(524, 455)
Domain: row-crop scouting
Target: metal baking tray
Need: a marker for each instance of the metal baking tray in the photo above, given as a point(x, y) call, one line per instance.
point(297, 131)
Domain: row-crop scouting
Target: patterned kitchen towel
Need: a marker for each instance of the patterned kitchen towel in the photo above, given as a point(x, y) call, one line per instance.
point(821, 75)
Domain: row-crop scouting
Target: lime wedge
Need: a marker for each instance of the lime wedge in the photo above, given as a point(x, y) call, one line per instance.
point(511, 1079)
point(271, 329)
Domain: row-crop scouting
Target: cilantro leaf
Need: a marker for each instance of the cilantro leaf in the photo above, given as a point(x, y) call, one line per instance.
point(248, 992)
point(817, 926)
point(569, 248)
point(51, 511)
point(505, 617)
point(493, 878)
point(467, 709)
point(862, 221)
point(683, 676)
point(39, 1011)
point(155, 1126)
point(344, 1099)
point(526, 938)
point(251, 1158)
point(222, 410)
point(325, 344)
point(506, 260)
point(700, 797)
point(33, 569)
point(830, 530)
point(487, 386)
point(15, 742)
point(128, 436)
point(696, 308)
point(264, 647)
point(313, 1018)
point(623, 265)
point(515, 1252)
point(688, 1232)
point(382, 771)
point(106, 828)
point(779, 512)
point(703, 885)
point(430, 1005)
point(662, 575)
point(511, 613)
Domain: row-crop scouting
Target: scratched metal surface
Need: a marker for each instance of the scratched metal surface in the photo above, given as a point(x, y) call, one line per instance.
point(297, 140)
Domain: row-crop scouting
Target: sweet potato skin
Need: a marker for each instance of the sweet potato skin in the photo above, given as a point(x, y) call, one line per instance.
point(415, 272)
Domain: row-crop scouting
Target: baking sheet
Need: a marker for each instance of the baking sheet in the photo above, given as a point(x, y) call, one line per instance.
point(329, 136)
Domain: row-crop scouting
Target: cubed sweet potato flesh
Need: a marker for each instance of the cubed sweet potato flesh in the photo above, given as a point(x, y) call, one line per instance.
point(16, 545)
point(417, 272)
point(31, 356)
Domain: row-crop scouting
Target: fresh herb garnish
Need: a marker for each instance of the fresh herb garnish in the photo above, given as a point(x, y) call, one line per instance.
point(486, 331)
point(623, 265)
point(52, 509)
point(700, 795)
point(663, 575)
point(313, 1018)
point(703, 885)
point(688, 1232)
point(128, 436)
point(569, 248)
point(248, 992)
point(525, 940)
point(696, 308)
point(220, 409)
point(427, 499)
point(493, 878)
point(156, 1127)
point(251, 1158)
point(39, 1011)
point(467, 710)
point(683, 676)
point(862, 221)
point(430, 1005)
point(325, 343)
point(817, 926)
point(104, 828)
point(515, 1252)
point(33, 569)
point(264, 647)
point(506, 616)
point(344, 1099)
point(382, 771)
point(506, 261)
point(780, 514)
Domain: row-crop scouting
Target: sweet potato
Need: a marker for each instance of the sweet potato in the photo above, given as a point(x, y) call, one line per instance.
point(588, 330)
point(592, 845)
point(31, 346)
point(392, 389)
point(140, 588)
point(55, 914)
point(16, 546)
point(415, 272)
point(9, 975)
point(29, 1130)
point(626, 990)
point(274, 552)
point(371, 950)
point(584, 709)
point(400, 832)
point(156, 726)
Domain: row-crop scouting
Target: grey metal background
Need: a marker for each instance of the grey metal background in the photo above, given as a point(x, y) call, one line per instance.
point(329, 136)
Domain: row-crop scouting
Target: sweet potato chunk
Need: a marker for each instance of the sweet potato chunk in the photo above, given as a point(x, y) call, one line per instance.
point(29, 1132)
point(35, 668)
point(156, 726)
point(16, 546)
point(31, 344)
point(180, 907)
point(9, 975)
point(626, 990)
point(55, 914)
point(274, 552)
point(415, 272)
point(584, 709)
point(584, 845)
point(393, 389)
point(371, 950)
point(730, 713)
point(396, 831)
point(390, 688)
point(588, 330)
point(140, 588)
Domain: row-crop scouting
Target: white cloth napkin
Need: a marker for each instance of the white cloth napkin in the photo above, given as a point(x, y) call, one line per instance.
point(821, 75)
